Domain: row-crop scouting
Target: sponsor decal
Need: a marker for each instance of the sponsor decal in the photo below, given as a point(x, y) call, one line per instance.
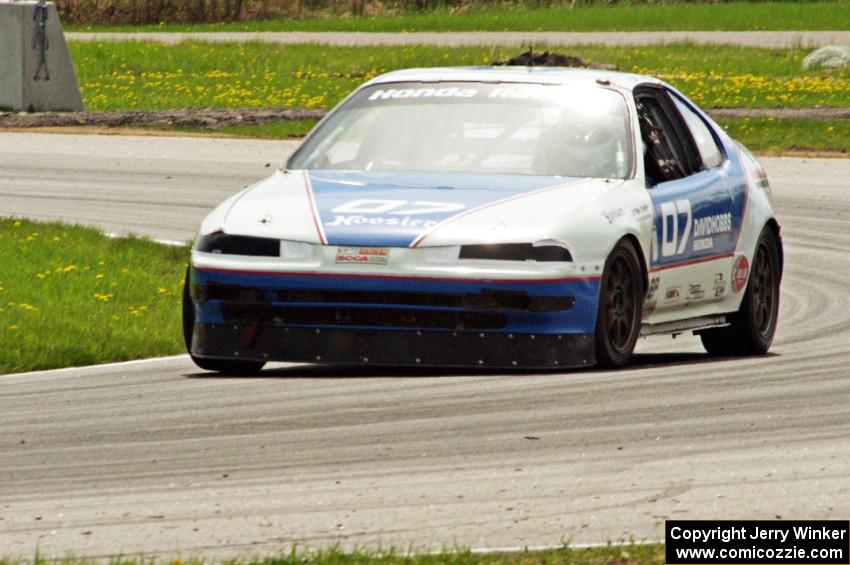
point(502, 92)
point(612, 215)
point(524, 93)
point(450, 92)
point(396, 207)
point(642, 213)
point(401, 213)
point(740, 273)
point(407, 221)
point(651, 302)
point(703, 243)
point(719, 285)
point(673, 294)
point(695, 292)
point(653, 287)
point(710, 225)
point(363, 255)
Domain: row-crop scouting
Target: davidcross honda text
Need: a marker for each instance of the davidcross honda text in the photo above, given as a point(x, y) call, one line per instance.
point(491, 217)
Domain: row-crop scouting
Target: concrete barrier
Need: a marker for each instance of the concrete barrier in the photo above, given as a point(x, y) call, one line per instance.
point(35, 66)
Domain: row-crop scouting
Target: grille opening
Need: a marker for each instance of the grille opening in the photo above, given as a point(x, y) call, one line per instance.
point(487, 299)
point(368, 317)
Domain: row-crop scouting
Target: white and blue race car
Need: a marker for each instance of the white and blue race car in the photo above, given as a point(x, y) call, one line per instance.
point(491, 217)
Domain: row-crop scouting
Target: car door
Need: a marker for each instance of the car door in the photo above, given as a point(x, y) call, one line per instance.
point(694, 208)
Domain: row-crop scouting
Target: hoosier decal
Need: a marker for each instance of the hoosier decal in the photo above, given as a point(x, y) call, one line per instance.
point(394, 209)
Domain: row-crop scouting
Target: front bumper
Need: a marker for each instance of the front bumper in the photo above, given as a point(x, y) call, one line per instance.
point(337, 319)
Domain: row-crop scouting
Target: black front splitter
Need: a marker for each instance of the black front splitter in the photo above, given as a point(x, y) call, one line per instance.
point(258, 342)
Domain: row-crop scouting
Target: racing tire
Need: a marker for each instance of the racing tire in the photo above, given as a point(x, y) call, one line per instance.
point(620, 301)
point(226, 366)
point(752, 327)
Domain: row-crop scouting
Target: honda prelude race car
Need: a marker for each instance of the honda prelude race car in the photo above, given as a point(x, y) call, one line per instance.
point(493, 217)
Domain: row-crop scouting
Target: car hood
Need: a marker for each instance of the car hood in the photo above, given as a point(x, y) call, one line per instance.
point(406, 209)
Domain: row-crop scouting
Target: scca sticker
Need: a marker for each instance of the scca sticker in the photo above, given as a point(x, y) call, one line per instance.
point(363, 255)
point(740, 273)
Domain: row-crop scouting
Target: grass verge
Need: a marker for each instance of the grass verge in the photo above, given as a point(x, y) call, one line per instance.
point(767, 135)
point(517, 17)
point(606, 555)
point(71, 296)
point(272, 130)
point(284, 129)
point(150, 76)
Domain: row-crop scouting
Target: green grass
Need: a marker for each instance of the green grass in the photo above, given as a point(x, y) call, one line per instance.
point(607, 555)
point(273, 130)
point(146, 76)
point(71, 296)
point(282, 129)
point(620, 17)
point(767, 135)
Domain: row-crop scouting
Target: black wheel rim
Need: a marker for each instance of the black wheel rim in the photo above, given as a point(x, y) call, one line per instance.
point(620, 304)
point(764, 291)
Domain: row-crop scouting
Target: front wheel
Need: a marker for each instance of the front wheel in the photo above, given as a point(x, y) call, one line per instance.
point(227, 366)
point(620, 298)
point(752, 327)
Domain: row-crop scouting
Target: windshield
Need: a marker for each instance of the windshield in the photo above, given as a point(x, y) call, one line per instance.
point(474, 127)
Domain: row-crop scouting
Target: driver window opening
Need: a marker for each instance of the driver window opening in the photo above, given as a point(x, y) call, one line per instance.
point(668, 153)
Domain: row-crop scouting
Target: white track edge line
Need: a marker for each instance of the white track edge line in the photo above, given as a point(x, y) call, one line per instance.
point(589, 545)
point(132, 362)
point(170, 242)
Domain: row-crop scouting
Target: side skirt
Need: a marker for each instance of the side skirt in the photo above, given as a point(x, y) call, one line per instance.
point(679, 326)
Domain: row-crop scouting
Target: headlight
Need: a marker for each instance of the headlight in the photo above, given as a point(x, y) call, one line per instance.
point(446, 254)
point(542, 251)
point(225, 244)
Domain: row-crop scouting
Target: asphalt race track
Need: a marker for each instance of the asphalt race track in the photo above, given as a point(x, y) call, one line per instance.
point(158, 457)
